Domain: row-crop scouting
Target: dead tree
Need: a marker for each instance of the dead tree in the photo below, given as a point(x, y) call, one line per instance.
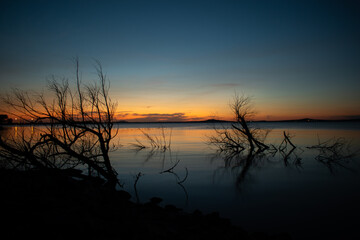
point(241, 136)
point(287, 148)
point(284, 144)
point(78, 125)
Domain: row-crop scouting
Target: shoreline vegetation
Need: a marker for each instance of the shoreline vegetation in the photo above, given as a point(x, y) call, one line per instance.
point(53, 204)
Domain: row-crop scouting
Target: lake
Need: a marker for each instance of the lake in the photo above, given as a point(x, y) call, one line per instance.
point(302, 195)
point(299, 192)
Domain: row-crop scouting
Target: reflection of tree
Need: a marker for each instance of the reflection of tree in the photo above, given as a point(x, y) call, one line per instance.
point(333, 152)
point(241, 145)
point(78, 130)
point(154, 154)
point(291, 157)
point(288, 150)
point(156, 142)
point(179, 181)
point(164, 155)
point(24, 148)
point(158, 146)
point(245, 162)
point(240, 164)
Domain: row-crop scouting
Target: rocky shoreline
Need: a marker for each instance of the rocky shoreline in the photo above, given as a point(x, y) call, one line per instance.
point(52, 205)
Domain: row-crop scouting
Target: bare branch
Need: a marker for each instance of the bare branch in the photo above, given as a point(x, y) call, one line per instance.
point(79, 124)
point(241, 135)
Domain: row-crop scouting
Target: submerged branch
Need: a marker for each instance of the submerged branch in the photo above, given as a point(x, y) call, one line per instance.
point(335, 151)
point(178, 180)
point(161, 141)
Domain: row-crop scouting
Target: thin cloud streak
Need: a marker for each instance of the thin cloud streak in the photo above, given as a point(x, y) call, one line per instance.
point(161, 117)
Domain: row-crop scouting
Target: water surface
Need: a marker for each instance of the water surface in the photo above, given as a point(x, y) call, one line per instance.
point(301, 195)
point(276, 193)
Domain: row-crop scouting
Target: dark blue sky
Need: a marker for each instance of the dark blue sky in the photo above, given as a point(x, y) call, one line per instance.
point(186, 58)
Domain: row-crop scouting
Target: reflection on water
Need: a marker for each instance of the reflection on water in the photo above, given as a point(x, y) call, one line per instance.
point(287, 191)
point(290, 190)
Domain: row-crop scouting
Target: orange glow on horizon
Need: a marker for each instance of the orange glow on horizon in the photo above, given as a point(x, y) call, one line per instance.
point(220, 110)
point(203, 115)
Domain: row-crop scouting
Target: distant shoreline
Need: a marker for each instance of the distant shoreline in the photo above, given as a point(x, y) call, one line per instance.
point(205, 121)
point(271, 121)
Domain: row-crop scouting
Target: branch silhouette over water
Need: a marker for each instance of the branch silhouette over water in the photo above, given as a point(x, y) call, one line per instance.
point(287, 149)
point(159, 141)
point(242, 143)
point(178, 180)
point(241, 136)
point(163, 156)
point(79, 129)
point(334, 152)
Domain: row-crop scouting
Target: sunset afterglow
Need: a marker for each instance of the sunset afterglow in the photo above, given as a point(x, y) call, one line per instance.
point(180, 119)
point(184, 60)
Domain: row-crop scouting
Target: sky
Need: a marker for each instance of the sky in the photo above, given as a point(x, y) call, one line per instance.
point(184, 60)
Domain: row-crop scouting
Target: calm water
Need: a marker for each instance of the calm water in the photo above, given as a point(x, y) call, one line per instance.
point(307, 200)
point(302, 196)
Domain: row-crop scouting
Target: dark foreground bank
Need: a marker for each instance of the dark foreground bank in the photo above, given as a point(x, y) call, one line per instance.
point(52, 205)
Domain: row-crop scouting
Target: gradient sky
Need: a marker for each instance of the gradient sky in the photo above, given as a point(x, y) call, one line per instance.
point(183, 60)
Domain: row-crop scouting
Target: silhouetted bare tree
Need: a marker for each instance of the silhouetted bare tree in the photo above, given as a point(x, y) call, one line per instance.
point(78, 129)
point(241, 136)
